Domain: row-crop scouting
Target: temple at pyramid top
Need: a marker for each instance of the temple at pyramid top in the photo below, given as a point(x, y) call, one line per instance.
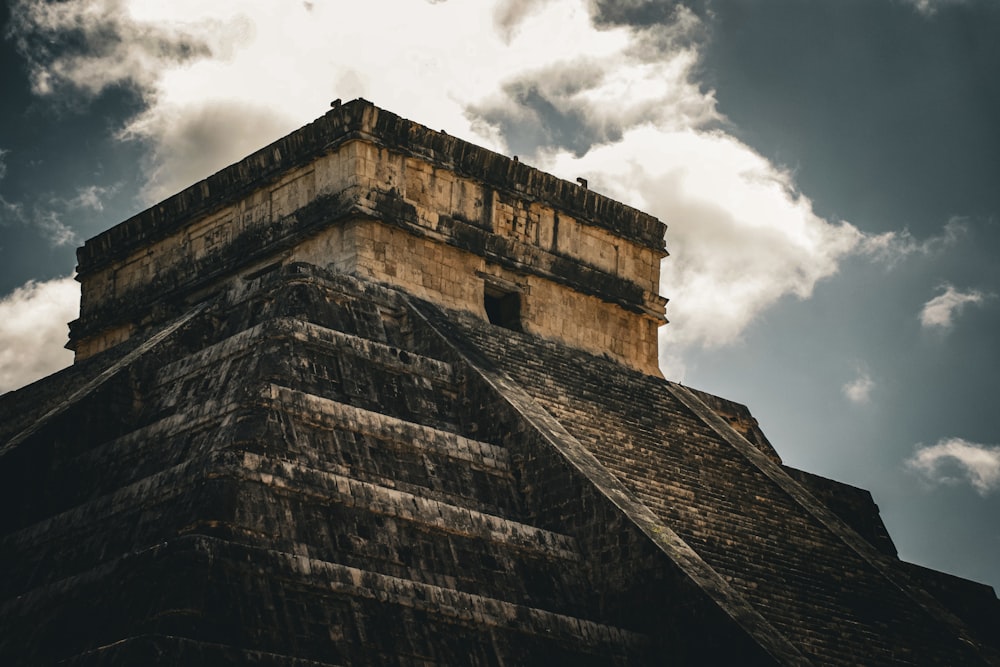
point(376, 396)
point(365, 192)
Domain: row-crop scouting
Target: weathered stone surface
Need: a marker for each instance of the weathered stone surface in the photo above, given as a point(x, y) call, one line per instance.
point(293, 437)
point(368, 193)
point(782, 554)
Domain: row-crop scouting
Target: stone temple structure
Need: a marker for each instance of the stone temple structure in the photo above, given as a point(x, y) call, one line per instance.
point(377, 396)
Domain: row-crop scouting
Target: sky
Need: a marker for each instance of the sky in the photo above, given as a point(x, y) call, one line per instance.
point(828, 172)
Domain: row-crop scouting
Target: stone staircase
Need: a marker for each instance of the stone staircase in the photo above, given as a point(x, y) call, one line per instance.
point(316, 470)
point(303, 477)
point(810, 576)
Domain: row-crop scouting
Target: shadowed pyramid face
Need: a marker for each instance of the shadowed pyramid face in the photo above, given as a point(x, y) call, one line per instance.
point(364, 192)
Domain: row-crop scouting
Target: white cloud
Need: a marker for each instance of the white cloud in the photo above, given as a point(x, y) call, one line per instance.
point(890, 248)
point(741, 237)
point(55, 230)
point(198, 140)
point(46, 220)
point(940, 311)
point(223, 78)
point(954, 460)
point(91, 197)
point(620, 105)
point(13, 209)
point(508, 14)
point(93, 44)
point(859, 390)
point(33, 330)
point(931, 7)
point(47, 214)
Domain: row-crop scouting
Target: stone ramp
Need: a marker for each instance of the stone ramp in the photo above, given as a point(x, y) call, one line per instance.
point(306, 609)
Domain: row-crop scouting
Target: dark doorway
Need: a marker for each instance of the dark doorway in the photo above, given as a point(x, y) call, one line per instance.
point(503, 308)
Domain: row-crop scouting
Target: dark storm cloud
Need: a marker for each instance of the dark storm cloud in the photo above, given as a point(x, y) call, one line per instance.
point(205, 139)
point(65, 173)
point(593, 100)
point(538, 111)
point(643, 12)
point(71, 44)
point(507, 15)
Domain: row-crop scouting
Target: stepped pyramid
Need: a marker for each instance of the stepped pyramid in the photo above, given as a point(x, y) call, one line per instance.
point(377, 396)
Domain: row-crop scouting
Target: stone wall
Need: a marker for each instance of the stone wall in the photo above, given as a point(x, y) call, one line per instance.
point(587, 267)
point(456, 278)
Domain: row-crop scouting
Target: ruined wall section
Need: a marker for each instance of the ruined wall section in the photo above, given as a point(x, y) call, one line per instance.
point(362, 191)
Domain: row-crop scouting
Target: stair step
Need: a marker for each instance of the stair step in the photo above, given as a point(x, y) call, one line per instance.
point(243, 344)
point(63, 542)
point(406, 506)
point(334, 414)
point(362, 607)
point(321, 361)
point(104, 468)
point(196, 495)
point(466, 607)
point(144, 452)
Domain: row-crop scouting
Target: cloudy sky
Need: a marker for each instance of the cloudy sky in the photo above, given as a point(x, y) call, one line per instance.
point(829, 171)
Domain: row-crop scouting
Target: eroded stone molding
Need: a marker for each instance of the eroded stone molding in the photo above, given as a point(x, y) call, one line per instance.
point(365, 192)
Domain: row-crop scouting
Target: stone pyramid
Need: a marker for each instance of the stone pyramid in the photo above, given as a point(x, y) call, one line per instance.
point(377, 396)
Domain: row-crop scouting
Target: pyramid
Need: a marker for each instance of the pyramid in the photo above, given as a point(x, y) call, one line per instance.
point(377, 396)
